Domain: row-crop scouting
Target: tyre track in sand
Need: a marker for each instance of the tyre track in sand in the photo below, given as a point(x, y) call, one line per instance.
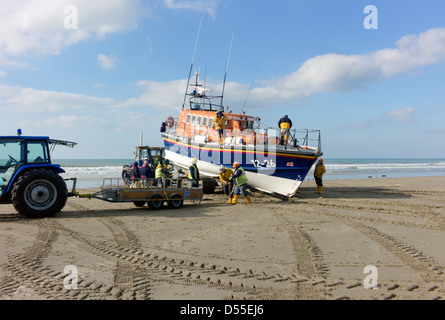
point(139, 270)
point(308, 259)
point(147, 268)
point(23, 269)
point(424, 266)
point(136, 271)
point(430, 212)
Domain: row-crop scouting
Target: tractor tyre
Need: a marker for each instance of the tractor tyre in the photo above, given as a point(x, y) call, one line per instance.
point(155, 202)
point(39, 193)
point(126, 177)
point(175, 201)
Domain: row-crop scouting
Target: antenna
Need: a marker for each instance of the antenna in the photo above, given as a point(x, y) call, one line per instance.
point(248, 92)
point(227, 67)
point(205, 76)
point(191, 66)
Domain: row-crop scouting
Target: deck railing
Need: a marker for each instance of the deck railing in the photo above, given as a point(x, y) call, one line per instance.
point(147, 183)
point(256, 136)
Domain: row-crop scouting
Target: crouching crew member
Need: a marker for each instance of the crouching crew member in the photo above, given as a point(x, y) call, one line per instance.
point(224, 175)
point(240, 179)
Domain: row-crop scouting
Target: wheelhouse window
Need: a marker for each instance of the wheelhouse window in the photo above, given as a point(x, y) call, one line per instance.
point(188, 118)
point(210, 122)
point(199, 120)
point(204, 121)
point(194, 120)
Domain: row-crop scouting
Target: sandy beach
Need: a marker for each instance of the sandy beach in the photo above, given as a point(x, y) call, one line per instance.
point(380, 238)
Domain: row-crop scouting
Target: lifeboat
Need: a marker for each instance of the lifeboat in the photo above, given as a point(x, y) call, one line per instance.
point(273, 165)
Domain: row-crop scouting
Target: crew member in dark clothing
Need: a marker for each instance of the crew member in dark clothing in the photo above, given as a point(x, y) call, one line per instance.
point(135, 175)
point(146, 174)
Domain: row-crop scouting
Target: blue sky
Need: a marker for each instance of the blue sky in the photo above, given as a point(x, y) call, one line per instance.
point(122, 69)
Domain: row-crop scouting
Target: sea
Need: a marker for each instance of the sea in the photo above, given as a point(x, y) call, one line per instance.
point(90, 173)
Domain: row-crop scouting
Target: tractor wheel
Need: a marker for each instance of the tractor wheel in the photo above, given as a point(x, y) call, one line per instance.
point(175, 201)
point(208, 185)
point(155, 202)
point(39, 193)
point(126, 177)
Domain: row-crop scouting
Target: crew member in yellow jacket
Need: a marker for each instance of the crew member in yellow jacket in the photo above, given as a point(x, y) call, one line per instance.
point(240, 179)
point(219, 124)
point(320, 170)
point(227, 185)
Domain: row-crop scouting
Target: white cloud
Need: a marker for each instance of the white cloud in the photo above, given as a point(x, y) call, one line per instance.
point(205, 6)
point(405, 115)
point(106, 62)
point(35, 27)
point(28, 100)
point(325, 73)
point(335, 72)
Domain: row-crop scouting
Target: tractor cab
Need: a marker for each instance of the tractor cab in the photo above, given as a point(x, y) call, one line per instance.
point(154, 155)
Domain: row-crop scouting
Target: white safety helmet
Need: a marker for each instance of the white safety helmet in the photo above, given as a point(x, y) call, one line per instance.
point(222, 168)
point(195, 161)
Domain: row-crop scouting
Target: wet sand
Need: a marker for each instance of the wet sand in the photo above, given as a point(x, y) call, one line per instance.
point(312, 247)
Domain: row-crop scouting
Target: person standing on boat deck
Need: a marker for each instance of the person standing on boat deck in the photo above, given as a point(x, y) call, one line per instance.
point(194, 174)
point(284, 124)
point(219, 123)
point(224, 175)
point(240, 178)
point(318, 175)
point(146, 174)
point(135, 175)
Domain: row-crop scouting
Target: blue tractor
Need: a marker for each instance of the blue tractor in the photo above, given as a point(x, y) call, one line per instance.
point(28, 179)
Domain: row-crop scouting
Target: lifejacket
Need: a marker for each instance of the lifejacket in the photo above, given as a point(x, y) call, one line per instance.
point(225, 176)
point(242, 179)
point(195, 172)
point(158, 173)
point(220, 123)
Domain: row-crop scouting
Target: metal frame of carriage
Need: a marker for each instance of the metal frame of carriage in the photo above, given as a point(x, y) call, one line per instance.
point(145, 191)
